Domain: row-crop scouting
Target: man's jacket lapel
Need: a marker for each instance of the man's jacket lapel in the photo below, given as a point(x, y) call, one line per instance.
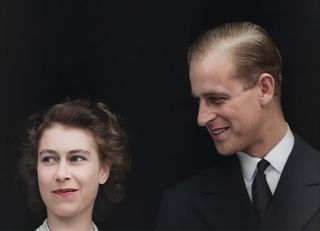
point(224, 202)
point(297, 197)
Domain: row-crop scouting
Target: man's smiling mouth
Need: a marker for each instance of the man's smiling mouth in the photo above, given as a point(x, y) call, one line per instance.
point(218, 131)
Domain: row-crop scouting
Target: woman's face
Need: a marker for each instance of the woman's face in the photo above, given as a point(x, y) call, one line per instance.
point(69, 170)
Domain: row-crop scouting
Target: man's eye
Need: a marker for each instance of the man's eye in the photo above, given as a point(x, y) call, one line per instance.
point(77, 158)
point(217, 100)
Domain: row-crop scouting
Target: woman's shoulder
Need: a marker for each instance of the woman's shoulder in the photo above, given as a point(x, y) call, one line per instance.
point(43, 227)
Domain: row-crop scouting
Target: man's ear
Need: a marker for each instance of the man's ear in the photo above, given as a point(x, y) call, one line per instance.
point(104, 172)
point(266, 84)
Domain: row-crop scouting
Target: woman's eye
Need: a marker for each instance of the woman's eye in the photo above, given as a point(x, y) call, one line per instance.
point(77, 158)
point(49, 159)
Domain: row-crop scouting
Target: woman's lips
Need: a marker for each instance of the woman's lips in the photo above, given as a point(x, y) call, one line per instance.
point(65, 192)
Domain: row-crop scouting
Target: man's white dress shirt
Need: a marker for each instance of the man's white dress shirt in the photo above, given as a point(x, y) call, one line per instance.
point(277, 158)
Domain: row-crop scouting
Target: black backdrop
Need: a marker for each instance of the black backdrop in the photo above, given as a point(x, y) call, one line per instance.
point(131, 54)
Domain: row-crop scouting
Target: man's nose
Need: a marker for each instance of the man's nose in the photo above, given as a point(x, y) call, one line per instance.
point(63, 172)
point(205, 113)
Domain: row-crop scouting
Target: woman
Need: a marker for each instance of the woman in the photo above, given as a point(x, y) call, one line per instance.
point(75, 160)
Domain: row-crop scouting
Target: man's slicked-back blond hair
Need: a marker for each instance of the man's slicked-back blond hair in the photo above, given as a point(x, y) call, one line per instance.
point(251, 48)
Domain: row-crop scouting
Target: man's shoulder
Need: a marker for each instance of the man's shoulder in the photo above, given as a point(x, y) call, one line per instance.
point(177, 209)
point(305, 153)
point(300, 145)
point(210, 176)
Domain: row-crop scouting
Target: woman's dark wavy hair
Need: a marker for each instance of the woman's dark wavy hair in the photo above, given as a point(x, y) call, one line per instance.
point(111, 142)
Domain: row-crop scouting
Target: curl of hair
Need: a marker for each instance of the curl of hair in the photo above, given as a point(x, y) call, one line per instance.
point(111, 144)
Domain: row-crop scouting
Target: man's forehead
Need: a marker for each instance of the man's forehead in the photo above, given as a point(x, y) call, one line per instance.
point(218, 59)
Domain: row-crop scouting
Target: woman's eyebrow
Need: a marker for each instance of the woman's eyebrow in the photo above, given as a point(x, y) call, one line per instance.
point(77, 151)
point(46, 151)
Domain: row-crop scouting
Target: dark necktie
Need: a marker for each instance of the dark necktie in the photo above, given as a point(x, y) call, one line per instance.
point(261, 193)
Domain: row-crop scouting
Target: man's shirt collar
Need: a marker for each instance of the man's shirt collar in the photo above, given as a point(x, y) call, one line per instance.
point(277, 157)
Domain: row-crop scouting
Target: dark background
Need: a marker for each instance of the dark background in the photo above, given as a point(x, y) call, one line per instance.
point(132, 55)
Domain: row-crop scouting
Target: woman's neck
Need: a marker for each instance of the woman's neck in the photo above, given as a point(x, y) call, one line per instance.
point(82, 222)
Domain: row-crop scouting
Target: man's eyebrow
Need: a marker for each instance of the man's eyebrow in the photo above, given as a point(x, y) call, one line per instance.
point(211, 94)
point(216, 94)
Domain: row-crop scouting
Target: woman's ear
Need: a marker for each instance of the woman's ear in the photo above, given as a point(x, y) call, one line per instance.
point(104, 172)
point(266, 86)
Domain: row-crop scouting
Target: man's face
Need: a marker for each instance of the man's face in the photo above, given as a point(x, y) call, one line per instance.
point(231, 114)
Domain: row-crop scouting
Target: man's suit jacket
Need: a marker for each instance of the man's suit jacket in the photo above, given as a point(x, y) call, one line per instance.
point(217, 199)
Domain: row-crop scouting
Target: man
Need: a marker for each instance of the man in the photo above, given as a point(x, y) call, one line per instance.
point(269, 177)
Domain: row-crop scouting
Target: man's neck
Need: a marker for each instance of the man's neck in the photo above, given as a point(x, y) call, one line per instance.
point(271, 135)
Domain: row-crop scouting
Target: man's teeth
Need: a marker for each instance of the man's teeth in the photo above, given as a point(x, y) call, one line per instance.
point(218, 131)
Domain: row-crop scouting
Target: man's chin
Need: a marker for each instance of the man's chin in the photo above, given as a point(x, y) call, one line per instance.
point(225, 151)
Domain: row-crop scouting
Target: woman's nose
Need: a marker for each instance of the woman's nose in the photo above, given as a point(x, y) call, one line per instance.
point(62, 172)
